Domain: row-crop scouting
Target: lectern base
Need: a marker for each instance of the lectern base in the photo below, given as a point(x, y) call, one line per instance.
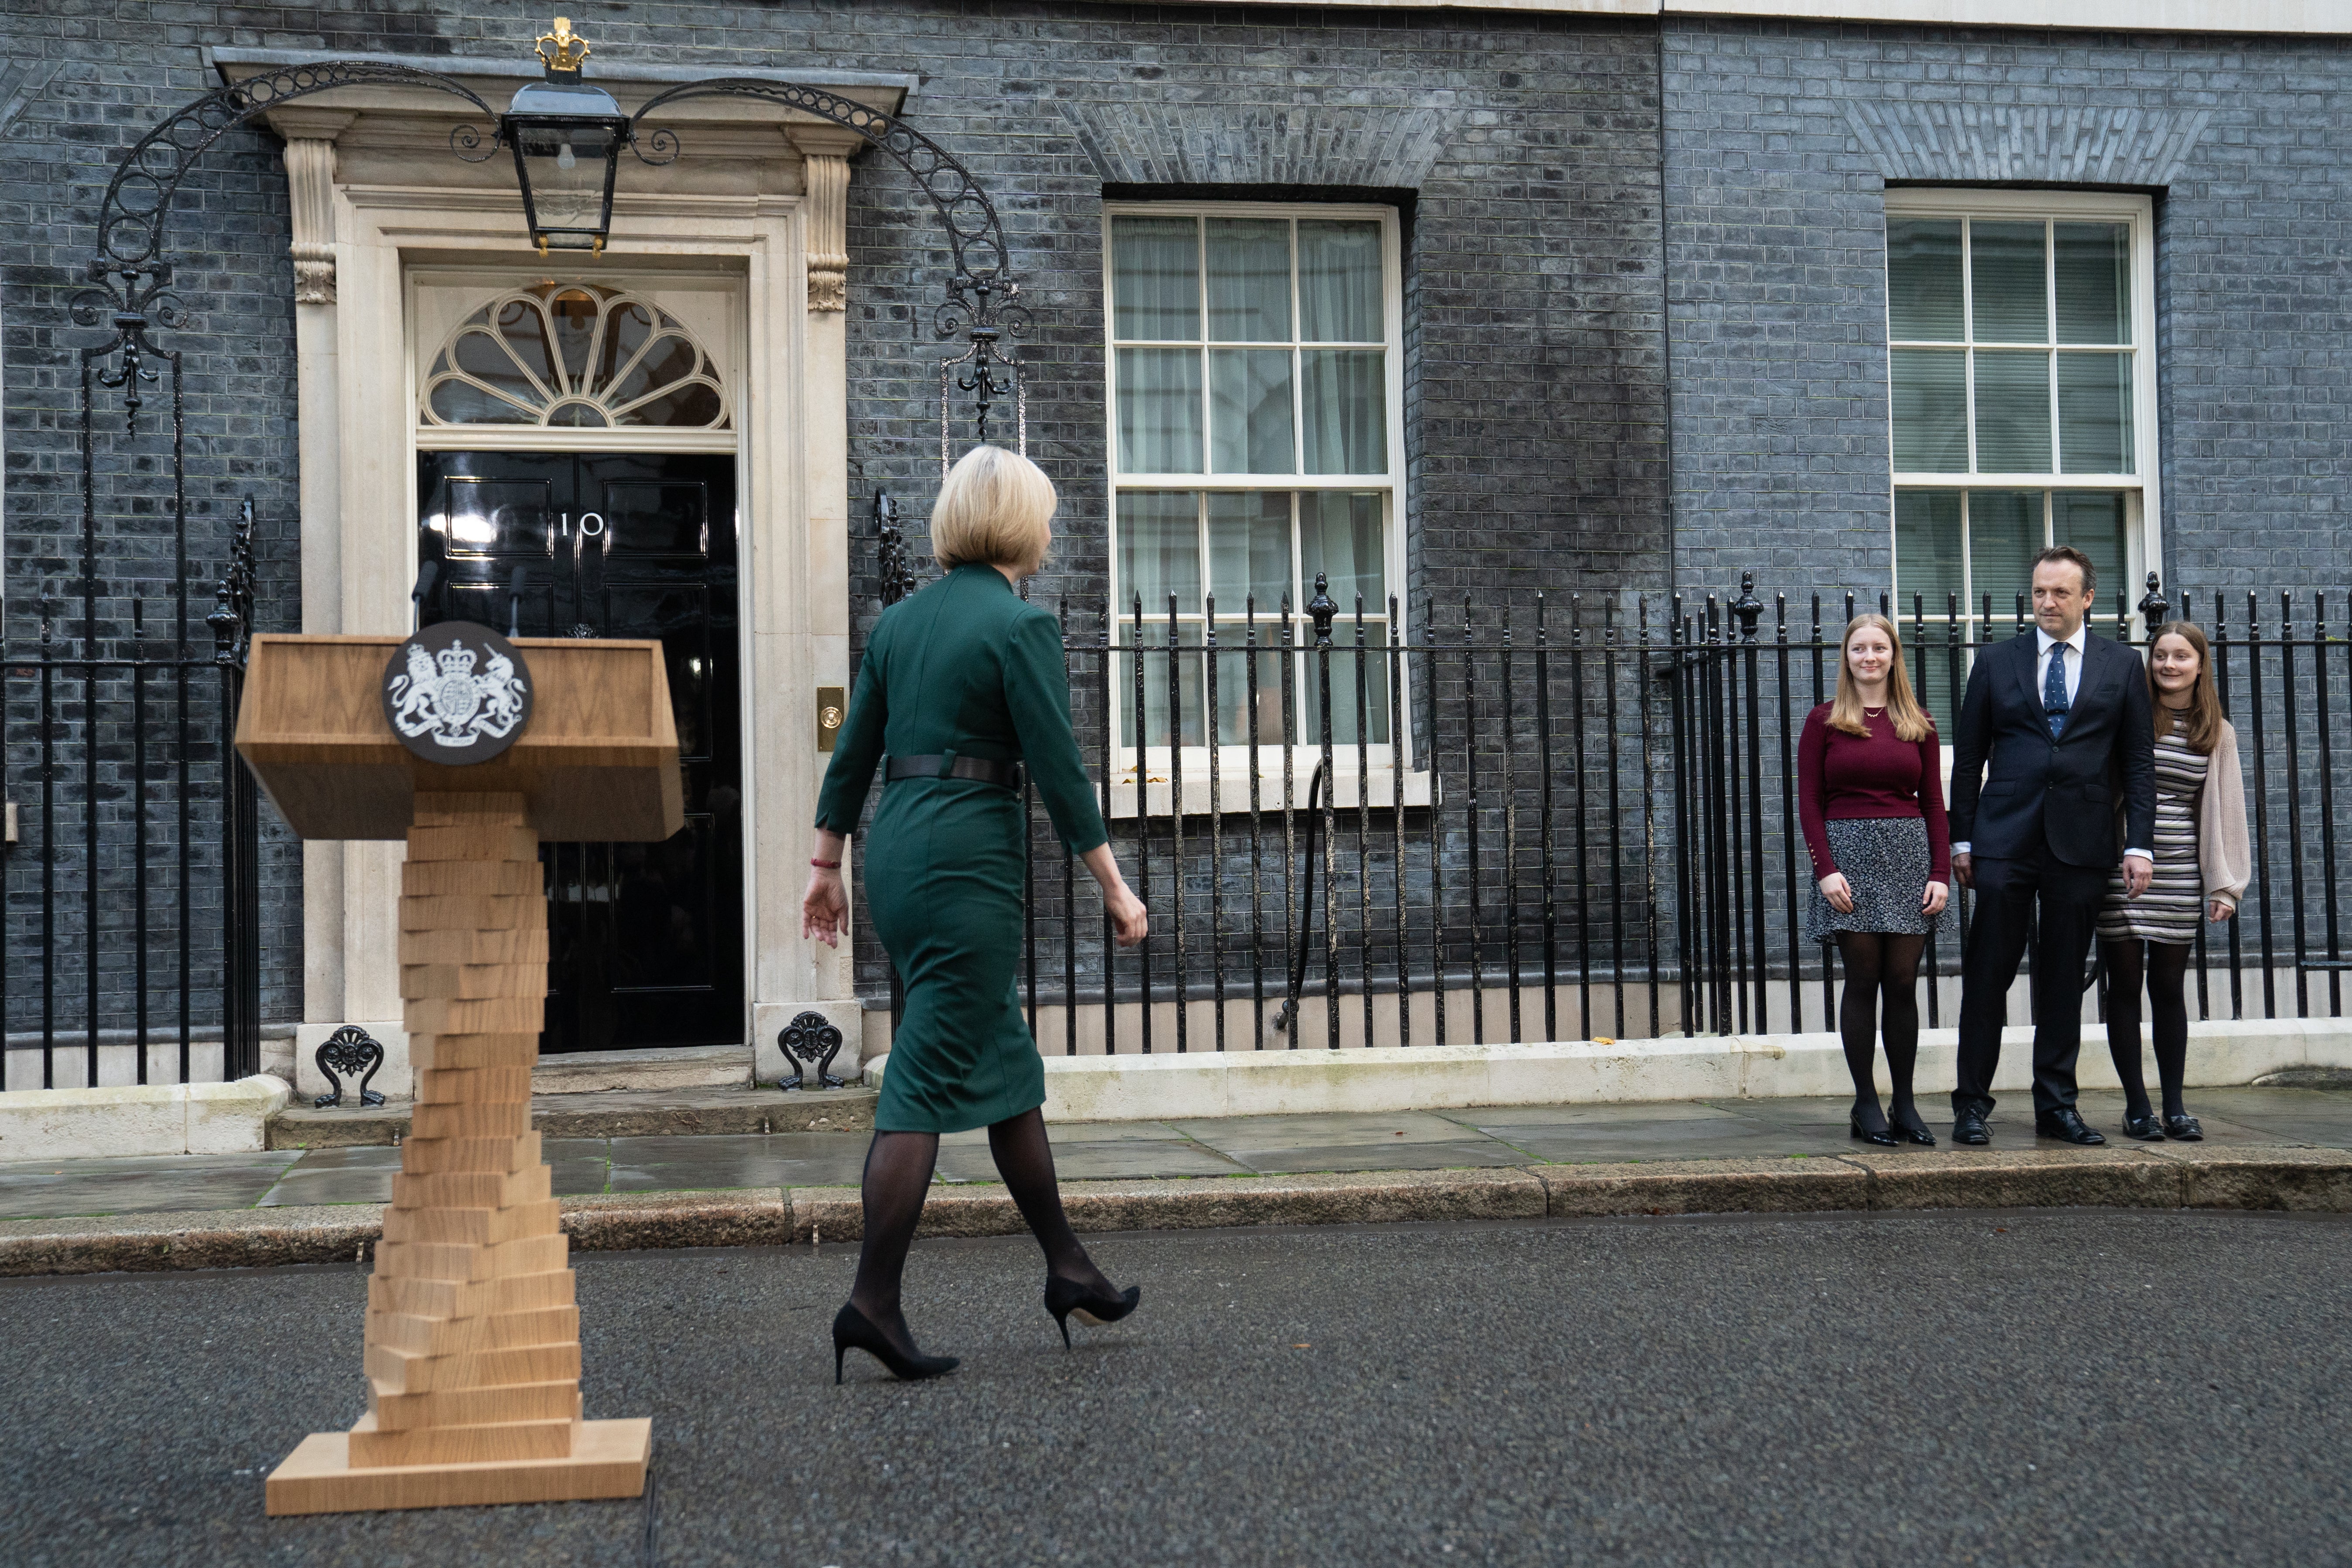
point(607, 1460)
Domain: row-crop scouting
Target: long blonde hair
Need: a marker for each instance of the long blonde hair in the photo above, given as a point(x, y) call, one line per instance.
point(2204, 728)
point(1911, 721)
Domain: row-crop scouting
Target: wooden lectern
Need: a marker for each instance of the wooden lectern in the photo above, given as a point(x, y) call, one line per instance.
point(473, 1339)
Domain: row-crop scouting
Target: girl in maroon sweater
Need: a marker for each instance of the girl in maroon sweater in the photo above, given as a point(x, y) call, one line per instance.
point(1870, 794)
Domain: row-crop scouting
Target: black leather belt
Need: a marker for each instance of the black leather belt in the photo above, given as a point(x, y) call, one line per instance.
point(983, 769)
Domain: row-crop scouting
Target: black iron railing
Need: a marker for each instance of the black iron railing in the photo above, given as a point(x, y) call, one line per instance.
point(132, 901)
point(1350, 830)
point(1562, 820)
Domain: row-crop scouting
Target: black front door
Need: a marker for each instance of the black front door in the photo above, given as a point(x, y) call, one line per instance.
point(646, 940)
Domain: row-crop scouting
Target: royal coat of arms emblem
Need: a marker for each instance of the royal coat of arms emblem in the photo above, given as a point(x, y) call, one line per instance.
point(457, 693)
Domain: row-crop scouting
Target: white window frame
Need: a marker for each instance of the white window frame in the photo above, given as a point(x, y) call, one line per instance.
point(2143, 506)
point(1234, 761)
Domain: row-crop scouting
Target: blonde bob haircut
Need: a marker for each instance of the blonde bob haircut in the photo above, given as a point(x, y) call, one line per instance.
point(1903, 711)
point(993, 510)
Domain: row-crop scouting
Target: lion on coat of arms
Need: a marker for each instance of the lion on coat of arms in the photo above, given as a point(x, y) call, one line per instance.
point(443, 696)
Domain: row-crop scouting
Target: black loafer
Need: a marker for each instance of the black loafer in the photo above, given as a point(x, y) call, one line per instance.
point(2184, 1128)
point(2067, 1126)
point(1969, 1127)
point(2145, 1126)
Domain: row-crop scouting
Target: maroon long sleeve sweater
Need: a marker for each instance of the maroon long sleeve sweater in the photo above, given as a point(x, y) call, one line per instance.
point(1840, 777)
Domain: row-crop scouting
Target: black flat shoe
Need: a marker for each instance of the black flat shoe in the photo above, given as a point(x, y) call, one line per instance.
point(1912, 1132)
point(1969, 1127)
point(2068, 1127)
point(854, 1331)
point(1880, 1136)
point(2184, 1128)
point(1067, 1298)
point(2144, 1127)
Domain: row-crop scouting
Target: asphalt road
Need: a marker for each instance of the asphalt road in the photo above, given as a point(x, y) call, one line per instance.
point(2042, 1388)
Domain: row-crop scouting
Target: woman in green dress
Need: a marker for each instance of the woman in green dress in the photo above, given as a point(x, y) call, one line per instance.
point(962, 684)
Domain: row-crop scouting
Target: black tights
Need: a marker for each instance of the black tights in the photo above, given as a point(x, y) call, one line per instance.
point(898, 1172)
point(2167, 970)
point(1881, 994)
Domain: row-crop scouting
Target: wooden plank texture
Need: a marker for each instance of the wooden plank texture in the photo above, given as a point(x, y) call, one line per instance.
point(597, 761)
point(607, 1460)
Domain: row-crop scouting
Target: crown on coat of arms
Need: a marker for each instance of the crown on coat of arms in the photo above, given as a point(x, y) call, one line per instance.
point(456, 659)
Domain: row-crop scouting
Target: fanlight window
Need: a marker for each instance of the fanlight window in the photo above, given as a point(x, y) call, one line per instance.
point(575, 356)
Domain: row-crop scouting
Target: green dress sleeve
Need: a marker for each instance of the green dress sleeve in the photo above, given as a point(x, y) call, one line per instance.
point(858, 749)
point(1037, 695)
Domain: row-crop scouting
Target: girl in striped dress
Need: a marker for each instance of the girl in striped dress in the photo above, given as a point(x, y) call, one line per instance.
point(2201, 861)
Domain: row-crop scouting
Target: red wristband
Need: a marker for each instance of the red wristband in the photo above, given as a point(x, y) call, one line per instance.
point(826, 865)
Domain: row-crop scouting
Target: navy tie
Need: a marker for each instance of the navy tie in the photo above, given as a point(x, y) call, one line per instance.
point(2054, 691)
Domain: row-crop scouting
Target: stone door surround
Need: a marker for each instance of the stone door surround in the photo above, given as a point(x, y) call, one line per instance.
point(756, 203)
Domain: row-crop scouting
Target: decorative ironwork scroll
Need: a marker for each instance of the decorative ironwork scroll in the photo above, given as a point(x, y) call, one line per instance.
point(810, 1037)
point(983, 295)
point(349, 1051)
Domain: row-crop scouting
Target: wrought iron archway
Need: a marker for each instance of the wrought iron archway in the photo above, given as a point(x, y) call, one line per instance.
point(133, 719)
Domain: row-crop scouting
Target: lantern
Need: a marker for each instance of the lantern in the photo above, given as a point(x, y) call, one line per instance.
point(567, 138)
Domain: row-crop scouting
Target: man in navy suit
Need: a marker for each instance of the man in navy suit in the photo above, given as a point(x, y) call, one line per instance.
point(2063, 719)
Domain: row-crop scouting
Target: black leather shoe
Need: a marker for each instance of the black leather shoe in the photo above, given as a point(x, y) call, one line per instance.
point(2067, 1126)
point(2144, 1127)
point(2184, 1128)
point(1911, 1129)
point(1881, 1136)
point(1969, 1127)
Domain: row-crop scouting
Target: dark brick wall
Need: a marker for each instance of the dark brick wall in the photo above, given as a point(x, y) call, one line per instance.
point(1780, 138)
point(1536, 419)
point(84, 83)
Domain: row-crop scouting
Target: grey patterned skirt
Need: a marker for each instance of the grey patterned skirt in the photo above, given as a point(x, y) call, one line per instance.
point(1886, 862)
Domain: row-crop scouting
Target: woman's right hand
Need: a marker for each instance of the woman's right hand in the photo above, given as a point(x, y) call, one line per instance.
point(1129, 922)
point(1836, 891)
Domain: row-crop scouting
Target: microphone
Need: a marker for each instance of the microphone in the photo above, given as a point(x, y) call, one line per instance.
point(428, 578)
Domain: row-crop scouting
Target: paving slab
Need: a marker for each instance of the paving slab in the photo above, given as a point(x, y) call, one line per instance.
point(789, 1159)
point(44, 1188)
point(1731, 1137)
point(1243, 1135)
point(1497, 1118)
point(612, 1113)
point(361, 1175)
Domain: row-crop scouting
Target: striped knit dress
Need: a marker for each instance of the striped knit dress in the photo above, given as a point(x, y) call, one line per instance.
point(2173, 907)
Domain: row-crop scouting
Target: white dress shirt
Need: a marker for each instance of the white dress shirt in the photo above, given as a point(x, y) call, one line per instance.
point(2042, 643)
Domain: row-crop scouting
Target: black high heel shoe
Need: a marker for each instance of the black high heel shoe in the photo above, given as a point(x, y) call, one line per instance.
point(1066, 1297)
point(1881, 1136)
point(1912, 1132)
point(854, 1331)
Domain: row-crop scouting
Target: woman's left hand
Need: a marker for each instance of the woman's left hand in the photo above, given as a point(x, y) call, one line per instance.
point(824, 908)
point(2220, 910)
point(1932, 901)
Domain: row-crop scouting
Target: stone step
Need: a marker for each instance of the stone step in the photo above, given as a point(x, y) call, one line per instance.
point(615, 1113)
point(666, 1068)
